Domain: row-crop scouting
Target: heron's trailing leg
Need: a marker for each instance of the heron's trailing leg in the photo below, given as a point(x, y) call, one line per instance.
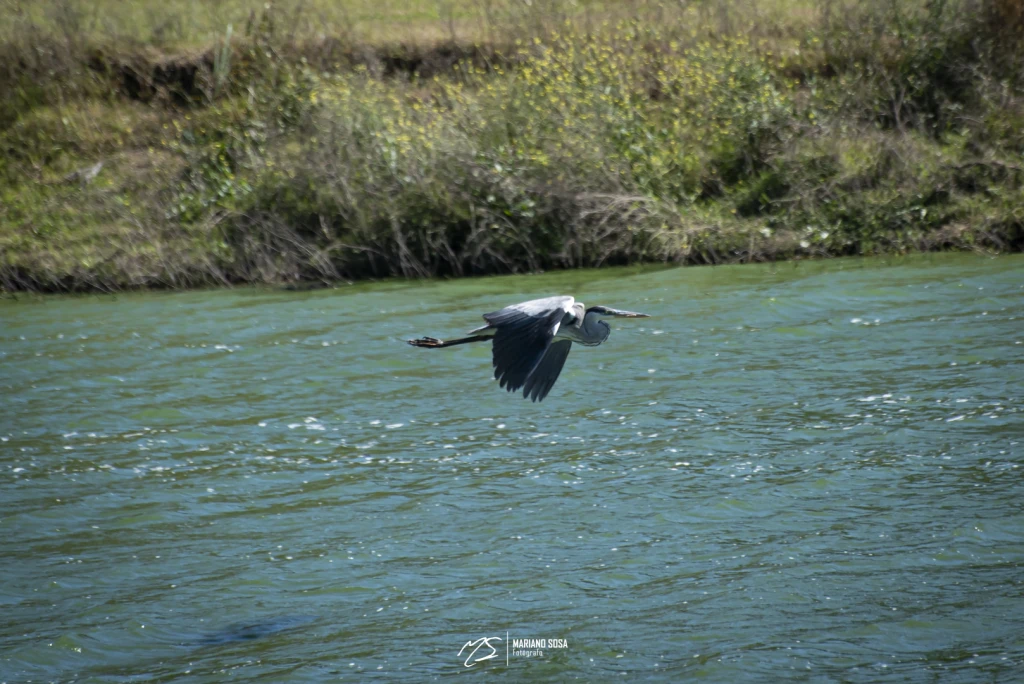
point(434, 343)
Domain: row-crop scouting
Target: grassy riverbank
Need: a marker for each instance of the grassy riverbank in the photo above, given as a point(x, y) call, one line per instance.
point(176, 145)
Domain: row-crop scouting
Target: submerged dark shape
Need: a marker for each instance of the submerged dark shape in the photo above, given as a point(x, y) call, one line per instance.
point(532, 340)
point(256, 630)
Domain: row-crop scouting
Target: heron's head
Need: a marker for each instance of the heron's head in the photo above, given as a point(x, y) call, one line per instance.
point(599, 330)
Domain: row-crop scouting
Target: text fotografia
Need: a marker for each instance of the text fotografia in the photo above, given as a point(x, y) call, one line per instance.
point(489, 648)
point(534, 648)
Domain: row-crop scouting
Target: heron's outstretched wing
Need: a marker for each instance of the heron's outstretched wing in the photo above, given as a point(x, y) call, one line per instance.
point(537, 308)
point(523, 332)
point(544, 375)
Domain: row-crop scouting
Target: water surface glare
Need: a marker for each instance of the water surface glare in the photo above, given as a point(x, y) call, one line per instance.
point(803, 470)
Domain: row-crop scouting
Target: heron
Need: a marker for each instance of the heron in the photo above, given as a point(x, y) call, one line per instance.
point(532, 340)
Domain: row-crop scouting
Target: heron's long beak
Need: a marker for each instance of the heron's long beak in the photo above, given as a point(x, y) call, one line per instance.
point(628, 314)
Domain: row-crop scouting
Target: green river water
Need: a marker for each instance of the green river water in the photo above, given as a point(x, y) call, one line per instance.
point(805, 471)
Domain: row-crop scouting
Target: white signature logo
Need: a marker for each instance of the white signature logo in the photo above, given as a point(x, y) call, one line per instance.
point(476, 646)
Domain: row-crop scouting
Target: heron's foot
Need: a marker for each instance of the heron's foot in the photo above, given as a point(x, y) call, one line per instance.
point(427, 342)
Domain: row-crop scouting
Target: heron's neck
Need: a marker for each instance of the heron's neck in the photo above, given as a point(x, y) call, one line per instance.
point(594, 330)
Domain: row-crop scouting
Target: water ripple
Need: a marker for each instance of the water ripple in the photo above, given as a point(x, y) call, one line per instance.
point(810, 468)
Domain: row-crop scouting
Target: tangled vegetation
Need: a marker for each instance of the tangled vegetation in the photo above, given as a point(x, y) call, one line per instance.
point(609, 134)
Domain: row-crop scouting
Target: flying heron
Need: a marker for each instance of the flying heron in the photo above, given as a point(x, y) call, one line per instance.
point(532, 340)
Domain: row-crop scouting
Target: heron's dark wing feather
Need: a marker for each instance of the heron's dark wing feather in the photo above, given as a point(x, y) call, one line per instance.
point(544, 375)
point(519, 344)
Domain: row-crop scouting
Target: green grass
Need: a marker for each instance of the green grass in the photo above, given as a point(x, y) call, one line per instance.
point(193, 24)
point(324, 140)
